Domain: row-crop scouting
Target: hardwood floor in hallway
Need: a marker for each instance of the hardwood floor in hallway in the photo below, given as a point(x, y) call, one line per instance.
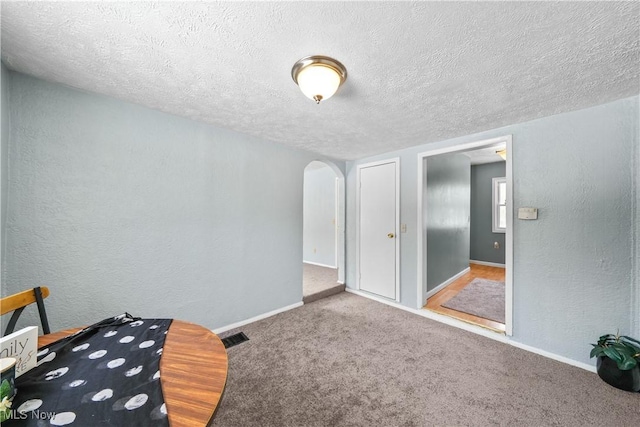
point(477, 271)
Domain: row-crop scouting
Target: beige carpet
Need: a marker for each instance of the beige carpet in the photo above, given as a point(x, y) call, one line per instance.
point(319, 282)
point(349, 361)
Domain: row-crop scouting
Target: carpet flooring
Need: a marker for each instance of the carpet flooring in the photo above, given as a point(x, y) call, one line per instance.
point(319, 282)
point(349, 361)
point(482, 298)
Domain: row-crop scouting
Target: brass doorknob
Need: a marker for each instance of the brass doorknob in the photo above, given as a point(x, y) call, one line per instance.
point(391, 235)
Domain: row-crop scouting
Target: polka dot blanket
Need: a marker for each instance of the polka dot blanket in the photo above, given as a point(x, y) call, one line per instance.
point(107, 374)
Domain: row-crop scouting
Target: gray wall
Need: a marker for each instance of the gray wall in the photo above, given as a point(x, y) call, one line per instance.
point(635, 256)
point(573, 273)
point(319, 237)
point(4, 169)
point(447, 209)
point(119, 208)
point(482, 236)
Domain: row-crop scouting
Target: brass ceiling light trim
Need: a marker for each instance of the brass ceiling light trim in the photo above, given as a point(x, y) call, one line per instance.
point(502, 153)
point(318, 77)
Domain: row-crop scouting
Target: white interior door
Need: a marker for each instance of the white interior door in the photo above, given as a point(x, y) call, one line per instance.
point(378, 229)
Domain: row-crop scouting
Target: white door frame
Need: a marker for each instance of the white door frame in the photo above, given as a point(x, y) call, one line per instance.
point(336, 222)
point(395, 160)
point(422, 244)
point(341, 208)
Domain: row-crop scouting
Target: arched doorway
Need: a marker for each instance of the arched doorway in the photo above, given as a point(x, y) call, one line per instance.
point(323, 231)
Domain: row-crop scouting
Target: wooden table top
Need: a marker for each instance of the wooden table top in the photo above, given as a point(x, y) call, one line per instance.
point(193, 372)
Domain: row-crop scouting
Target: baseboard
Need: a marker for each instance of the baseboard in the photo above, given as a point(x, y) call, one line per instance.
point(256, 318)
point(478, 330)
point(447, 282)
point(554, 356)
point(490, 264)
point(320, 265)
point(377, 298)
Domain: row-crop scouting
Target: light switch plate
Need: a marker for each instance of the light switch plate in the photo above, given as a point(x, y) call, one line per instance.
point(527, 213)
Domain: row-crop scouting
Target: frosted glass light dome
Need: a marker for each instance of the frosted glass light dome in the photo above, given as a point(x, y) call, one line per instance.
point(318, 77)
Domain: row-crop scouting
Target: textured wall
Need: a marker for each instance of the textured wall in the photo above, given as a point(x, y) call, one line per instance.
point(482, 236)
point(4, 170)
point(447, 208)
point(573, 275)
point(635, 309)
point(319, 236)
point(635, 302)
point(118, 207)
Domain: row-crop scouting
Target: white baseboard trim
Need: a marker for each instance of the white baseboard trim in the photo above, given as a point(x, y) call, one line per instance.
point(490, 264)
point(477, 330)
point(256, 318)
point(377, 298)
point(554, 356)
point(320, 265)
point(447, 282)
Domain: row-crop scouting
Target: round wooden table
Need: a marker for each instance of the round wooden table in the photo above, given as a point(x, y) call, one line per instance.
point(193, 372)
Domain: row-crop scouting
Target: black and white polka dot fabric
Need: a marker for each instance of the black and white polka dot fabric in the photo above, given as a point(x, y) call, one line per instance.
point(105, 375)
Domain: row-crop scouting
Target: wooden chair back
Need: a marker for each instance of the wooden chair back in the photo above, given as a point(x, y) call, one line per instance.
point(18, 302)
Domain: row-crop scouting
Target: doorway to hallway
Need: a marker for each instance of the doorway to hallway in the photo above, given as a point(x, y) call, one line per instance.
point(323, 231)
point(435, 217)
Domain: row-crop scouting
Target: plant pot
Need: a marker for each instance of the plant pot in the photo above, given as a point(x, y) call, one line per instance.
point(624, 380)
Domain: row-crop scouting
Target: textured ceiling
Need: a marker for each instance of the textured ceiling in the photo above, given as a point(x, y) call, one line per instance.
point(481, 156)
point(419, 72)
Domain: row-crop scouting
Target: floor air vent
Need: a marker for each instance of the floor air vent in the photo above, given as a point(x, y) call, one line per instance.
point(234, 339)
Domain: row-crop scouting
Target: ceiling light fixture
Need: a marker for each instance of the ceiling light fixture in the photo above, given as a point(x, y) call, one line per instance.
point(318, 77)
point(502, 153)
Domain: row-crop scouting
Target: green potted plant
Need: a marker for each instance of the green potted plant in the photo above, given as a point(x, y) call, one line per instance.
point(618, 361)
